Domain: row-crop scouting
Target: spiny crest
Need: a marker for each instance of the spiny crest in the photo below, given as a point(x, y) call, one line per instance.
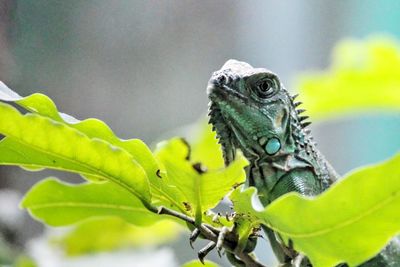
point(296, 104)
point(301, 133)
point(302, 119)
point(223, 133)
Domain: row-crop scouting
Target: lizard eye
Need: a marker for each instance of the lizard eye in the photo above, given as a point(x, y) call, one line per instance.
point(265, 88)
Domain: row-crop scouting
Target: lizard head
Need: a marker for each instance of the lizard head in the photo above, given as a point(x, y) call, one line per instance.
point(250, 110)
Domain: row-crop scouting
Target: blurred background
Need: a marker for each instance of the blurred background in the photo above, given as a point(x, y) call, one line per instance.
point(143, 66)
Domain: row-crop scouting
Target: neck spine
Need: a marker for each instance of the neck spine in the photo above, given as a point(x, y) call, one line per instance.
point(305, 146)
point(301, 134)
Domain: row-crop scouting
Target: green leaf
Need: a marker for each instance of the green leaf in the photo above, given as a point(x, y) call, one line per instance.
point(350, 222)
point(246, 218)
point(15, 153)
point(66, 148)
point(202, 190)
point(197, 263)
point(364, 75)
point(36, 103)
point(24, 261)
point(93, 128)
point(205, 148)
point(112, 233)
point(7, 253)
point(58, 204)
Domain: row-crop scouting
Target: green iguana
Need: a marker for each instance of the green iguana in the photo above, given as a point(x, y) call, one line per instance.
point(251, 110)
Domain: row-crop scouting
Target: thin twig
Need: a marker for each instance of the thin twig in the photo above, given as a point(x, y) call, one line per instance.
point(249, 260)
point(164, 210)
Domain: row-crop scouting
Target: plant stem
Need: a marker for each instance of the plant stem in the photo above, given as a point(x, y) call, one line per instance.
point(212, 233)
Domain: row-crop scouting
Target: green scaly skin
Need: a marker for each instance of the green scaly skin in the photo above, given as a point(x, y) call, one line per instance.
point(251, 110)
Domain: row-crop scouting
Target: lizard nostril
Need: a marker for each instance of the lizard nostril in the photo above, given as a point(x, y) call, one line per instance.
point(221, 79)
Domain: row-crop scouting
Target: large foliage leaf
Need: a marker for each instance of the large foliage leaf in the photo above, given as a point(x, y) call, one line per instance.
point(104, 234)
point(351, 222)
point(162, 192)
point(58, 204)
point(93, 128)
point(205, 147)
point(24, 261)
point(364, 75)
point(43, 142)
point(201, 189)
point(164, 188)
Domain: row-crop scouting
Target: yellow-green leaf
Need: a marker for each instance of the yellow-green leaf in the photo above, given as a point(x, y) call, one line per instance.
point(58, 204)
point(197, 263)
point(350, 222)
point(61, 143)
point(364, 75)
point(205, 148)
point(93, 128)
point(105, 234)
point(24, 261)
point(202, 189)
